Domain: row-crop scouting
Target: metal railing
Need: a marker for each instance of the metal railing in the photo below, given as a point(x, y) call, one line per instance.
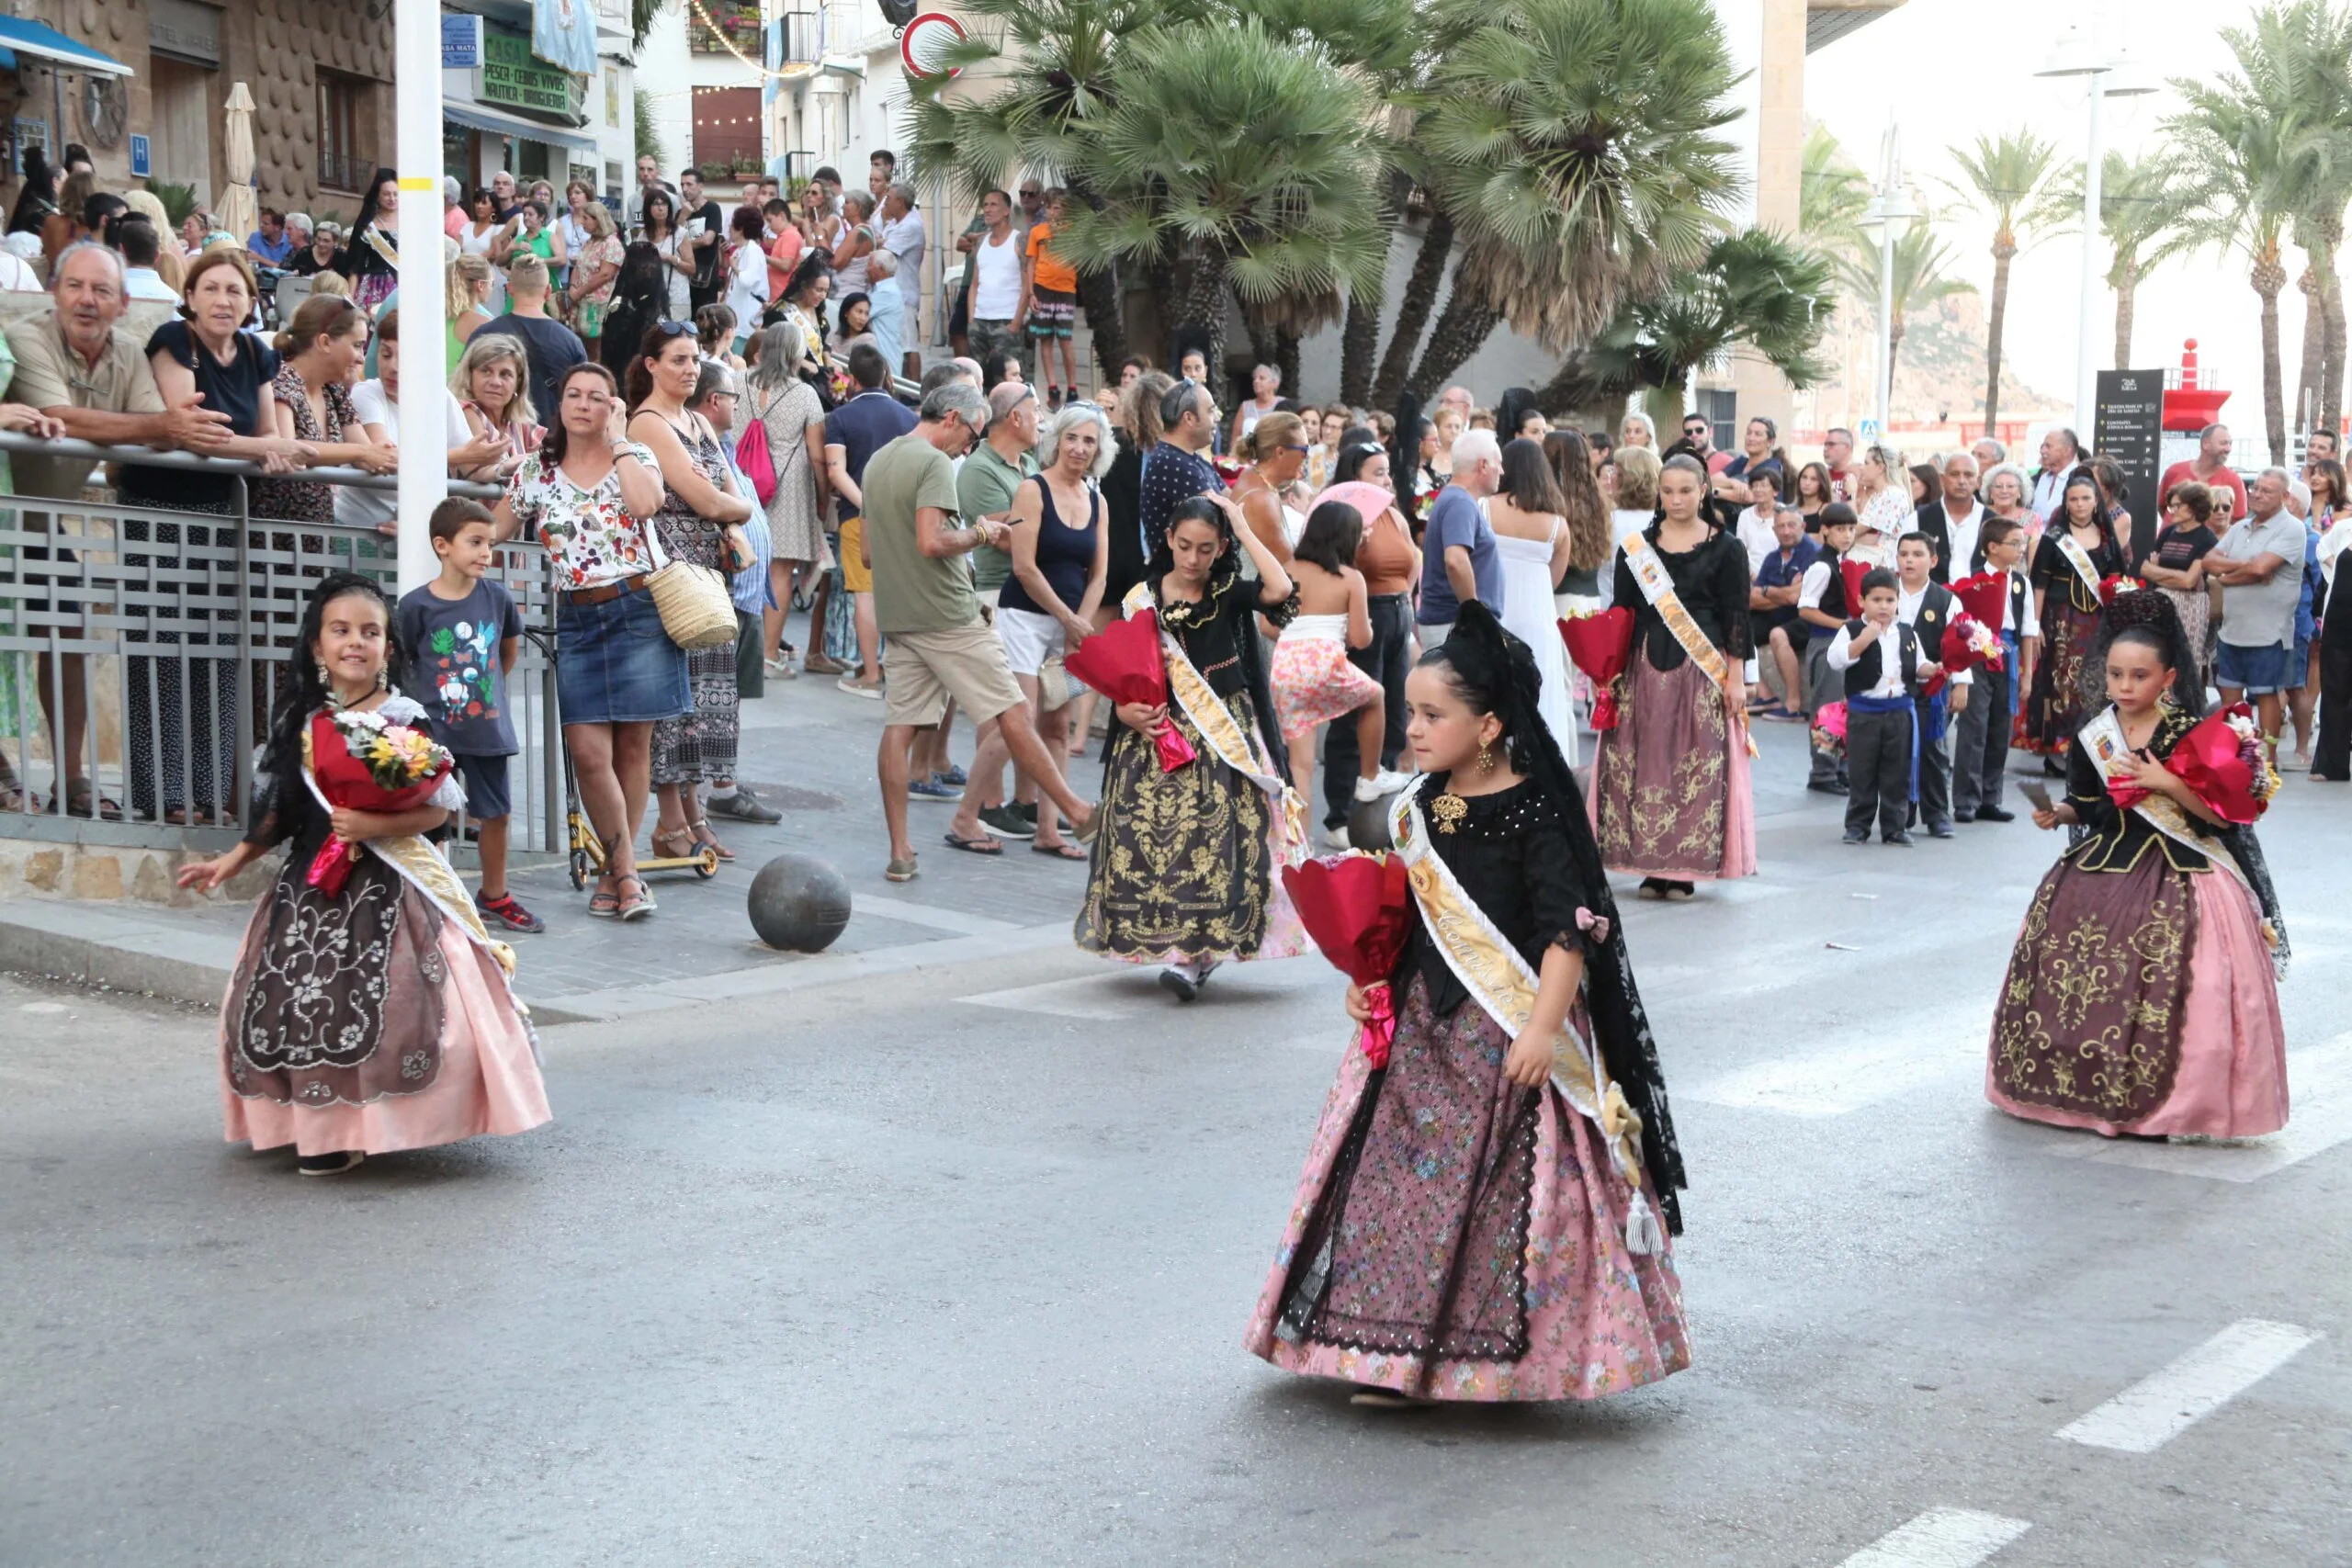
point(177, 626)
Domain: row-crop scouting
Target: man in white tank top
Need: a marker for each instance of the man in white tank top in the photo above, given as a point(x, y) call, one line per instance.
point(995, 283)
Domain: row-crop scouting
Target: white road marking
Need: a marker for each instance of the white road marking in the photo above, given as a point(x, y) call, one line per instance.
point(2319, 1087)
point(1833, 1082)
point(907, 913)
point(2149, 1414)
point(1088, 996)
point(41, 1007)
point(1940, 1538)
point(1133, 990)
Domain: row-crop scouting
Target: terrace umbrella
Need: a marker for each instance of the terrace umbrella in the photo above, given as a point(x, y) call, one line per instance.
point(239, 214)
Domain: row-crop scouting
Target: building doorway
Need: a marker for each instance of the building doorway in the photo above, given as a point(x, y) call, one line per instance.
point(186, 98)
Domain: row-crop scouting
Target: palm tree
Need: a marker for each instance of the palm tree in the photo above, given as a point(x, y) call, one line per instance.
point(1574, 143)
point(1755, 290)
point(1832, 194)
point(1055, 57)
point(1248, 162)
point(2145, 204)
point(2246, 157)
point(1922, 266)
point(2009, 177)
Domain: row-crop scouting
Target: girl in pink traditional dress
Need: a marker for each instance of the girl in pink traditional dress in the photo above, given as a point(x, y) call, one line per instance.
point(1314, 683)
point(2142, 998)
point(1480, 1216)
point(376, 1018)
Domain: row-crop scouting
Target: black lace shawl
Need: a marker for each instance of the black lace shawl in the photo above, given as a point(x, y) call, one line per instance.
point(1220, 625)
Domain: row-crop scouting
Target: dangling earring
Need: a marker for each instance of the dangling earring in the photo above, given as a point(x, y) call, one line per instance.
point(326, 682)
point(1486, 756)
point(383, 680)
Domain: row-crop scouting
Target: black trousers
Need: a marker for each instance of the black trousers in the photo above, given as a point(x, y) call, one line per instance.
point(1387, 660)
point(1980, 738)
point(1878, 764)
point(1935, 765)
point(2332, 758)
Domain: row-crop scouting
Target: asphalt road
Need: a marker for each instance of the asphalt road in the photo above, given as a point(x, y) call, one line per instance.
point(883, 1273)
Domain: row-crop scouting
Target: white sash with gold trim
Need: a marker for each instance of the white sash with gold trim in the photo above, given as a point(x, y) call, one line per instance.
point(1658, 586)
point(1224, 734)
point(2085, 570)
point(1499, 980)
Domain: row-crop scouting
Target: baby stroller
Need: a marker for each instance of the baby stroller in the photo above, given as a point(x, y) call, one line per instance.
point(587, 857)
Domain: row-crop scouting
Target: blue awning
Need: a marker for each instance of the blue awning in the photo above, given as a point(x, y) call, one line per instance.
point(46, 43)
point(475, 116)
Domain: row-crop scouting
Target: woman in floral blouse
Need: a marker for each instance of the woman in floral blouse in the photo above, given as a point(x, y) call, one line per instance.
point(587, 491)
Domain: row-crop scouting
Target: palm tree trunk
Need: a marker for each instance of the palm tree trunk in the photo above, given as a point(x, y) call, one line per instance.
point(1104, 302)
point(2306, 415)
point(1468, 322)
point(2127, 285)
point(2005, 245)
point(1413, 310)
point(1202, 306)
point(1359, 341)
point(2269, 280)
point(1286, 360)
point(2331, 384)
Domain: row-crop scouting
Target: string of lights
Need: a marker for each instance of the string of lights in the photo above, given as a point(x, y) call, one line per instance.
point(793, 70)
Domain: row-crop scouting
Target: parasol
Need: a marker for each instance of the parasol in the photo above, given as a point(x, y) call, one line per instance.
point(239, 214)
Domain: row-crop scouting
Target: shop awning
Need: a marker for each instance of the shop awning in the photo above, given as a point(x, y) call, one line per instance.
point(475, 116)
point(24, 38)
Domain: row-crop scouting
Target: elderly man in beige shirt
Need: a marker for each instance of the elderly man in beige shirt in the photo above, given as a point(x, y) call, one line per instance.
point(90, 382)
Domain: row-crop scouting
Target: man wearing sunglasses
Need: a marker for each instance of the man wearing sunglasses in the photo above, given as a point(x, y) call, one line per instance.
point(937, 647)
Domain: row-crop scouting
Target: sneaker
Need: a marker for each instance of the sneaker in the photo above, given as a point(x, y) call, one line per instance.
point(334, 1164)
point(1028, 810)
point(1858, 837)
point(506, 912)
point(742, 806)
point(1007, 823)
point(1336, 837)
point(1384, 783)
point(932, 789)
point(955, 777)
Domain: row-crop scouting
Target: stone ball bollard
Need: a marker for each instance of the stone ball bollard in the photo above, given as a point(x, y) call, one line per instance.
point(1368, 824)
point(798, 903)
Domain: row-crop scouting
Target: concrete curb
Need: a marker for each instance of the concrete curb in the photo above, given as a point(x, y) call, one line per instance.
point(125, 948)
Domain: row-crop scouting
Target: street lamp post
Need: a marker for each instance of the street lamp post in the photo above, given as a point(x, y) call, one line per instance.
point(1888, 217)
point(2109, 76)
point(416, 140)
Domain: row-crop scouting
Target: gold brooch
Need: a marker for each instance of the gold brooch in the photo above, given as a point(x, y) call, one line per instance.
point(1449, 809)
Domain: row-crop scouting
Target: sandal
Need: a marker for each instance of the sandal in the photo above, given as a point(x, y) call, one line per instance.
point(700, 828)
point(631, 908)
point(605, 903)
point(662, 853)
point(1085, 832)
point(1059, 851)
point(983, 845)
point(79, 794)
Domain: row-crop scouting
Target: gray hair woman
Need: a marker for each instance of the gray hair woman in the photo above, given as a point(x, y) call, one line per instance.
point(789, 411)
point(1062, 556)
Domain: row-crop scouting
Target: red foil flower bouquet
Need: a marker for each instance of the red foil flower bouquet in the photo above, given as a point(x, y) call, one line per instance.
point(1358, 910)
point(362, 762)
point(1599, 643)
point(1124, 662)
point(2223, 761)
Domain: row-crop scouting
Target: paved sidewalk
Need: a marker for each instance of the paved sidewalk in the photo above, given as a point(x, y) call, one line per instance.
point(809, 749)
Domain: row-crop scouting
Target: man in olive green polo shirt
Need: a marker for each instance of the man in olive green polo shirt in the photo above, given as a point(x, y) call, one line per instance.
point(935, 644)
point(985, 488)
point(78, 369)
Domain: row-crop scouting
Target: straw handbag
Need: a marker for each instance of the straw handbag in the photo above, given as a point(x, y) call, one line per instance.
point(696, 610)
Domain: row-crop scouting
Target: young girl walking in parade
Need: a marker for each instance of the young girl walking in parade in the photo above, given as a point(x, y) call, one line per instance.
point(1185, 860)
point(370, 1011)
point(1671, 783)
point(2142, 1000)
point(1485, 1210)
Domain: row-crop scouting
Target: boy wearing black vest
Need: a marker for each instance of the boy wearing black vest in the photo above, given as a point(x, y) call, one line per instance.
point(1822, 609)
point(1883, 664)
point(1928, 607)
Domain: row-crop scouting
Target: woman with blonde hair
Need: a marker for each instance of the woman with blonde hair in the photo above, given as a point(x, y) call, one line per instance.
point(588, 291)
point(1277, 449)
point(171, 263)
point(1882, 503)
point(492, 381)
point(466, 301)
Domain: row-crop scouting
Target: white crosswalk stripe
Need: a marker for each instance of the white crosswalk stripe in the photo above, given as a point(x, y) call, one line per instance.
point(1940, 1538)
point(2151, 1412)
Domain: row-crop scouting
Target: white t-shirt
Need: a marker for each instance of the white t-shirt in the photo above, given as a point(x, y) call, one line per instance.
point(373, 508)
point(1757, 535)
point(747, 287)
point(996, 287)
point(681, 285)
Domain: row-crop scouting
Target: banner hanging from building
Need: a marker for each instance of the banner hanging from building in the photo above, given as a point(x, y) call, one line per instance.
point(564, 33)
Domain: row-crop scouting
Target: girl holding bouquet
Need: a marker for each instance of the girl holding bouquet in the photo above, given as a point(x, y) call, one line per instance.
point(370, 1011)
point(1483, 1213)
point(1183, 874)
point(2142, 1000)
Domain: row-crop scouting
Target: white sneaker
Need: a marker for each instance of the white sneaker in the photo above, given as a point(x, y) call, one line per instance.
point(1336, 838)
point(1384, 783)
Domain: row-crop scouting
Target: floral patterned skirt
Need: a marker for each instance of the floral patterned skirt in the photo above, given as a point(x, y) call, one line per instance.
point(1185, 866)
point(1457, 1236)
point(1671, 789)
point(368, 1022)
point(1314, 683)
point(2140, 1001)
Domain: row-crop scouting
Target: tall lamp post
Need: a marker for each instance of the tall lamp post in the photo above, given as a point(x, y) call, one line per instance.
point(2111, 74)
point(1885, 221)
point(416, 140)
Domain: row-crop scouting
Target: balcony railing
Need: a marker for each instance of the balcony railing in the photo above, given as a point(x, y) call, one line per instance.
point(728, 24)
point(341, 171)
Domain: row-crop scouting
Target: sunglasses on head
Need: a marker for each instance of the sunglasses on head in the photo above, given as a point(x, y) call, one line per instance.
point(674, 329)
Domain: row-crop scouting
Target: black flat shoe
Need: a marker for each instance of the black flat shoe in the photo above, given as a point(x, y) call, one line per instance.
point(1825, 786)
point(1964, 817)
point(1995, 814)
point(1858, 837)
point(1899, 838)
point(334, 1164)
point(1939, 830)
point(1177, 983)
